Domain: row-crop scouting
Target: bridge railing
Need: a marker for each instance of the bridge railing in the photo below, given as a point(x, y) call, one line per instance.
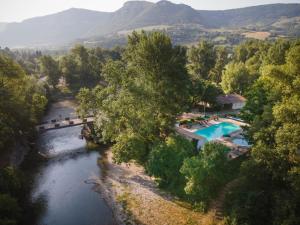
point(53, 124)
point(61, 119)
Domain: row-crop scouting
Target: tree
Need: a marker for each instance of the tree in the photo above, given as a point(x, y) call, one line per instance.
point(85, 98)
point(22, 102)
point(272, 173)
point(215, 74)
point(13, 196)
point(69, 69)
point(82, 67)
point(50, 68)
point(249, 49)
point(166, 159)
point(236, 78)
point(202, 59)
point(143, 96)
point(276, 53)
point(206, 172)
point(205, 92)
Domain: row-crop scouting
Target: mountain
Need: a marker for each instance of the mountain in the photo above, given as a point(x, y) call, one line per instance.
point(250, 16)
point(52, 29)
point(75, 24)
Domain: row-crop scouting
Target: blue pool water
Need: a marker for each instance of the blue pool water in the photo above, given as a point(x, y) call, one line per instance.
point(217, 130)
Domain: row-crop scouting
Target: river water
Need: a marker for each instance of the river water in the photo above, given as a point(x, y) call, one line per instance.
point(63, 181)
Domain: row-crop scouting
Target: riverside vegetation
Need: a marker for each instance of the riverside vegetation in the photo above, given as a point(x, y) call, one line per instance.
point(136, 94)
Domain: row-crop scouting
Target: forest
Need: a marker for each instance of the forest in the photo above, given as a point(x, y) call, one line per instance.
point(137, 93)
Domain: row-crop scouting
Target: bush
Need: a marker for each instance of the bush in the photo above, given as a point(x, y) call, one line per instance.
point(165, 161)
point(10, 211)
point(206, 173)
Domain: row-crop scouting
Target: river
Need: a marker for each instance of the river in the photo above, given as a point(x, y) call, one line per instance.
point(63, 180)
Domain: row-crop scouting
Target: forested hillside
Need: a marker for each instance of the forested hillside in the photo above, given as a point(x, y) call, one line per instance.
point(85, 25)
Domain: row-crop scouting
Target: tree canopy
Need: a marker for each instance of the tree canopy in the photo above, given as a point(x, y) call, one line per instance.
point(206, 172)
point(166, 159)
point(271, 195)
point(23, 100)
point(142, 96)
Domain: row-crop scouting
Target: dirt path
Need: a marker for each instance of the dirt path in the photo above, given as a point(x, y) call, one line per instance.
point(135, 198)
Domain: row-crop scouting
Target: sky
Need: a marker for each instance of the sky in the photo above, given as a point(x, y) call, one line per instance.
point(18, 10)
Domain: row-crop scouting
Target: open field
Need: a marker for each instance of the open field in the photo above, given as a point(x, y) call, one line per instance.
point(257, 35)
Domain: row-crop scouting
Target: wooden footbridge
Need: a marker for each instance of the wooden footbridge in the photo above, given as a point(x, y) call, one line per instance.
point(59, 124)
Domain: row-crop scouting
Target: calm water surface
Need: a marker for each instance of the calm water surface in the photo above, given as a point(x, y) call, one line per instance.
point(62, 182)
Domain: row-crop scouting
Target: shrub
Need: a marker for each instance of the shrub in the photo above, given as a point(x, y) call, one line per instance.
point(166, 158)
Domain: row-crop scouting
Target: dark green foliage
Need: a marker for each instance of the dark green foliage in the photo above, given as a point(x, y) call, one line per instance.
point(207, 62)
point(166, 159)
point(10, 211)
point(249, 202)
point(207, 172)
point(83, 67)
point(204, 91)
point(202, 59)
point(268, 190)
point(11, 182)
point(50, 68)
point(277, 52)
point(22, 102)
point(143, 95)
point(237, 78)
point(27, 59)
point(215, 74)
point(13, 193)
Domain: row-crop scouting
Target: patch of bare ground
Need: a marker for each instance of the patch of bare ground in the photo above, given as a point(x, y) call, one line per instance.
point(257, 35)
point(136, 199)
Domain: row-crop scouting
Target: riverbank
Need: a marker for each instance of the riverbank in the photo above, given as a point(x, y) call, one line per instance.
point(135, 198)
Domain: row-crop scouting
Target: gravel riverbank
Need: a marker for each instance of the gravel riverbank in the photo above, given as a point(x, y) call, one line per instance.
point(135, 198)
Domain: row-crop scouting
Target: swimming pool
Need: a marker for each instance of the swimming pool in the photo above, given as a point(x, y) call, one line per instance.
point(217, 130)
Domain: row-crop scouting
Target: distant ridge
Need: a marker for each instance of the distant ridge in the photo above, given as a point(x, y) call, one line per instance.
point(72, 24)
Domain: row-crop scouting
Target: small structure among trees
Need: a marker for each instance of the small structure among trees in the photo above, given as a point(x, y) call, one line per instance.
point(231, 101)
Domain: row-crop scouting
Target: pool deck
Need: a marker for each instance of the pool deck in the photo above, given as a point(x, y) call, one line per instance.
point(236, 150)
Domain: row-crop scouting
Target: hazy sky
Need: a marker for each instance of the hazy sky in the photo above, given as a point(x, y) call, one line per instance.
point(18, 10)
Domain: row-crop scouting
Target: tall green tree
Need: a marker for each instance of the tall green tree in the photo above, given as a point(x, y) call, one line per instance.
point(236, 78)
point(22, 100)
point(202, 59)
point(205, 92)
point(274, 130)
point(166, 159)
point(144, 94)
point(206, 172)
point(215, 74)
point(82, 67)
point(50, 68)
point(277, 52)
